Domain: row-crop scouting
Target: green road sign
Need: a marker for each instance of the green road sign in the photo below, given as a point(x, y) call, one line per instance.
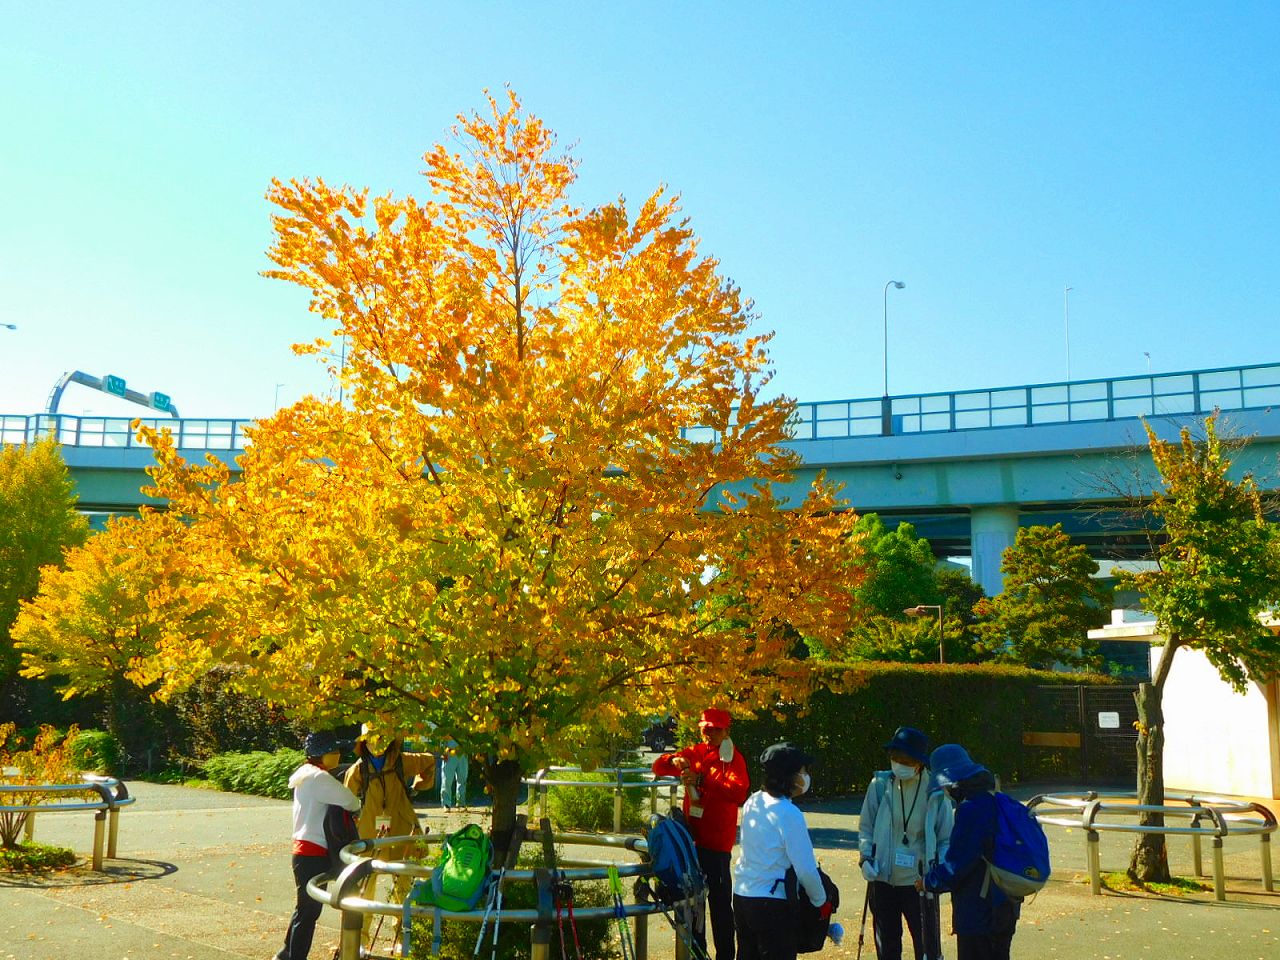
point(160, 401)
point(113, 385)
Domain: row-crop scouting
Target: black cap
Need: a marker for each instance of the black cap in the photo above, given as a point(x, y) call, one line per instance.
point(784, 759)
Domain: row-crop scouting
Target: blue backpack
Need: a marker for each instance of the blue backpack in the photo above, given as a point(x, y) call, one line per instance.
point(1019, 860)
point(673, 859)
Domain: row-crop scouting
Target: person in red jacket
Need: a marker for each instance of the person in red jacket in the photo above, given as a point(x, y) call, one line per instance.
point(716, 784)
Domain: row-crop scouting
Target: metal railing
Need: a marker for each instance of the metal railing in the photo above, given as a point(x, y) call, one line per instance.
point(625, 778)
point(112, 795)
point(1076, 401)
point(345, 892)
point(118, 433)
point(1214, 817)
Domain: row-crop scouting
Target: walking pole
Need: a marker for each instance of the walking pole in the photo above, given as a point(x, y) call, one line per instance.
point(862, 928)
point(930, 923)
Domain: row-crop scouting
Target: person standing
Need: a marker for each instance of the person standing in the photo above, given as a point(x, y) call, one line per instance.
point(903, 832)
point(984, 918)
point(775, 838)
point(453, 776)
point(714, 774)
point(314, 790)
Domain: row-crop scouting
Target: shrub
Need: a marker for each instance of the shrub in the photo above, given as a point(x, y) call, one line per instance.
point(96, 751)
point(856, 707)
point(590, 809)
point(458, 940)
point(35, 858)
point(257, 772)
point(213, 717)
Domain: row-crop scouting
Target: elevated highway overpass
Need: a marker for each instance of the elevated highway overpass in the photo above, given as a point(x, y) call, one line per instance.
point(967, 467)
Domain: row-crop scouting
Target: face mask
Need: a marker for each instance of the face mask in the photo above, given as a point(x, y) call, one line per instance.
point(805, 781)
point(903, 771)
point(726, 750)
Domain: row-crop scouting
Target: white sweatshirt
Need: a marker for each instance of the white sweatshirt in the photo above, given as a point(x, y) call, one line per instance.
point(774, 837)
point(314, 789)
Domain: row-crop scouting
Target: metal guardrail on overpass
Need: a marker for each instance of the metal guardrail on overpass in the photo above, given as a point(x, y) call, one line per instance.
point(1079, 401)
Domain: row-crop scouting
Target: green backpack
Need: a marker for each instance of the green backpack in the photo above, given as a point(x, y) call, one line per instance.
point(461, 878)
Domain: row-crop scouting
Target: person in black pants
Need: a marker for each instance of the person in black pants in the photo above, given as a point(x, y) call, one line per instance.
point(983, 917)
point(314, 790)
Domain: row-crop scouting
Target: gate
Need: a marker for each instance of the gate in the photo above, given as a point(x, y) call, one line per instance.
point(1090, 725)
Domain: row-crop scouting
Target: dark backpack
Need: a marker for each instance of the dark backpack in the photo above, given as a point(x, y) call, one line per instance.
point(810, 925)
point(673, 859)
point(339, 830)
point(1019, 860)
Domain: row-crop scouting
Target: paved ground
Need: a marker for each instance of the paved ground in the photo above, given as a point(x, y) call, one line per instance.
point(205, 876)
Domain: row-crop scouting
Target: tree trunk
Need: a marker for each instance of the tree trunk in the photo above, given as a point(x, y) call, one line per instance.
point(1150, 860)
point(503, 778)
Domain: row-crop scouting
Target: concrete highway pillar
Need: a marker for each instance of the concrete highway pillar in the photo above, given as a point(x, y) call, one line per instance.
point(991, 531)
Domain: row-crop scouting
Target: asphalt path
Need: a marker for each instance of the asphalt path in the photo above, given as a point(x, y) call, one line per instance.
point(203, 875)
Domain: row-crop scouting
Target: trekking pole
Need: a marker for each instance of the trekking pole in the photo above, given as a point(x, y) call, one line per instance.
point(620, 913)
point(862, 928)
point(930, 923)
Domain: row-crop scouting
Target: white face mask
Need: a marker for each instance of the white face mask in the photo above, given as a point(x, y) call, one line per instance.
point(805, 781)
point(903, 771)
point(726, 750)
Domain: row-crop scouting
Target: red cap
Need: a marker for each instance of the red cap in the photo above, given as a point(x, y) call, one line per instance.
point(715, 718)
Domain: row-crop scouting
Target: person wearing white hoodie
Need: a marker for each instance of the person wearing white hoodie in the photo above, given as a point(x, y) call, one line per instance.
point(314, 790)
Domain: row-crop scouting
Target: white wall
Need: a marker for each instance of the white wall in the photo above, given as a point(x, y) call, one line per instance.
point(1216, 740)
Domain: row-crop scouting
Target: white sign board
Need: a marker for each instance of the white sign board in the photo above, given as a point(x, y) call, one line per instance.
point(1108, 721)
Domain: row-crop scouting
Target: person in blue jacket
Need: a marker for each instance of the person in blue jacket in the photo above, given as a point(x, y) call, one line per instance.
point(984, 922)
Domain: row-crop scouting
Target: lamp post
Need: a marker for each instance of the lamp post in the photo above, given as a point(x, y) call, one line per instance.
point(9, 326)
point(886, 409)
point(1066, 325)
point(923, 610)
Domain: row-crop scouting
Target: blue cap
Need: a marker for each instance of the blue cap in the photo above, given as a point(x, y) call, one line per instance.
point(910, 741)
point(951, 764)
point(320, 742)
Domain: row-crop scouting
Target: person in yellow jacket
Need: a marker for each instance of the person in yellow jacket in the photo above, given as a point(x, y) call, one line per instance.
point(381, 777)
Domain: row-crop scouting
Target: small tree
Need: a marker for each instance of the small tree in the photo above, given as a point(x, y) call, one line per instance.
point(900, 568)
point(1218, 570)
point(1049, 602)
point(47, 760)
point(38, 521)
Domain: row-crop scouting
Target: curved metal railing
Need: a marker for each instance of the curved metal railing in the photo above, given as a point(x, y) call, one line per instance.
point(112, 794)
point(624, 778)
point(345, 892)
point(1214, 817)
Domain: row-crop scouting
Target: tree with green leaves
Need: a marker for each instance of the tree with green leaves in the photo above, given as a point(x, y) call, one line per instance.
point(1049, 602)
point(900, 568)
point(38, 522)
point(1218, 569)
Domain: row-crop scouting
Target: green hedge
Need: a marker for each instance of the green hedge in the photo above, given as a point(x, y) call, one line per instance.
point(856, 708)
point(97, 751)
point(257, 772)
point(590, 809)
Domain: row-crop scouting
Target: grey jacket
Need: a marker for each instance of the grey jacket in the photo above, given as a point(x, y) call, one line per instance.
point(876, 842)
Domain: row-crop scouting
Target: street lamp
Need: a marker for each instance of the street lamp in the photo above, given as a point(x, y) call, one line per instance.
point(9, 326)
point(923, 610)
point(897, 285)
point(886, 406)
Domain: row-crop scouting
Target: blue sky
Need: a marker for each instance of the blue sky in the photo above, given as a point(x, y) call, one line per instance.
point(987, 155)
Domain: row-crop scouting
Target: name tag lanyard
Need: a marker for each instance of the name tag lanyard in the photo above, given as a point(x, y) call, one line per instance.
point(906, 814)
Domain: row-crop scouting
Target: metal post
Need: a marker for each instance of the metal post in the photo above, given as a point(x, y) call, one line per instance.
point(617, 804)
point(642, 936)
point(653, 799)
point(1095, 863)
point(1083, 707)
point(99, 822)
point(29, 830)
point(113, 832)
point(349, 937)
point(1268, 882)
point(1219, 880)
point(1197, 860)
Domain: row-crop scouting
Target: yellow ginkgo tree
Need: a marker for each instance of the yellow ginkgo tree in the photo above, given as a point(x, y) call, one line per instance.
point(506, 526)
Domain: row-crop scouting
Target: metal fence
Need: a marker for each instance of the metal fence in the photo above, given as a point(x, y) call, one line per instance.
point(118, 432)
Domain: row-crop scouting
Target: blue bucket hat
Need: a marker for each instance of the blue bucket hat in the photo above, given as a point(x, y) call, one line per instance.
point(910, 741)
point(951, 764)
point(320, 742)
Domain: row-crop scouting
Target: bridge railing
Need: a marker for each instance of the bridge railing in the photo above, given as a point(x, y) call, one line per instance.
point(117, 432)
point(1077, 401)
